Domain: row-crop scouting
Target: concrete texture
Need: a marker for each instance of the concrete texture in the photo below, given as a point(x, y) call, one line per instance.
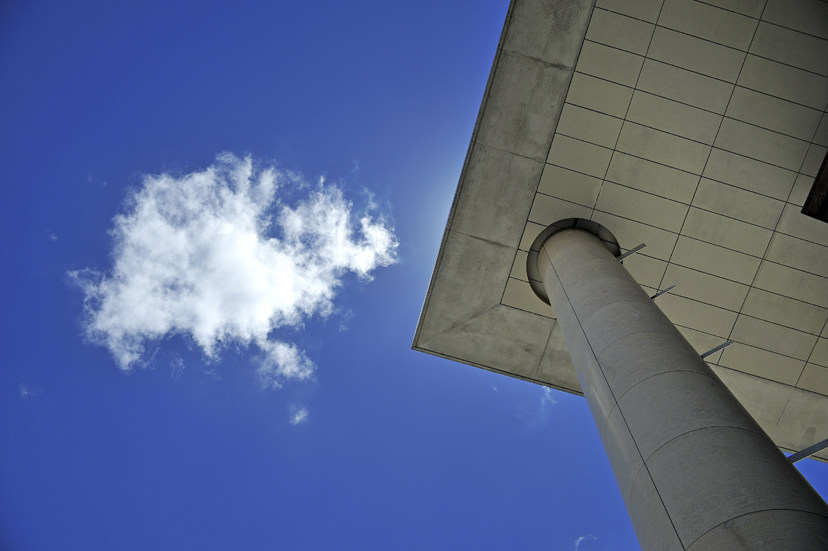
point(668, 127)
point(688, 458)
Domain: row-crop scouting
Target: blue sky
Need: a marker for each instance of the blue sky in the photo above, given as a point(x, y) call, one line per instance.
point(131, 419)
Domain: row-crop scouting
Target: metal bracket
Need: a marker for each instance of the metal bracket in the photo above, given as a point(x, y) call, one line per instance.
point(810, 450)
point(716, 349)
point(666, 290)
point(631, 251)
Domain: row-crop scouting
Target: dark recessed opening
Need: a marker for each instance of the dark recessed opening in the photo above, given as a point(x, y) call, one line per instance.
point(816, 205)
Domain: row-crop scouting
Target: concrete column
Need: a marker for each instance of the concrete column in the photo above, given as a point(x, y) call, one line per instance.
point(695, 470)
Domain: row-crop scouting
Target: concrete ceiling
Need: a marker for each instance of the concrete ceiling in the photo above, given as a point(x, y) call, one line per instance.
point(694, 127)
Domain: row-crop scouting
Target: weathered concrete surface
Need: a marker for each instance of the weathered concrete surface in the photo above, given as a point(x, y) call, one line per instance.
point(737, 209)
point(688, 458)
point(463, 318)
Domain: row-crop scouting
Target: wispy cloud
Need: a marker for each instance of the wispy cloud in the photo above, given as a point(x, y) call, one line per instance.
point(220, 256)
point(547, 400)
point(299, 416)
point(26, 391)
point(582, 539)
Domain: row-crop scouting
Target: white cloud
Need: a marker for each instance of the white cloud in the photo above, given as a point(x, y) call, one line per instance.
point(27, 391)
point(547, 399)
point(300, 416)
point(219, 256)
point(582, 539)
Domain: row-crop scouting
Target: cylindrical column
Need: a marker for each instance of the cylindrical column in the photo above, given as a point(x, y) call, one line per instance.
point(695, 470)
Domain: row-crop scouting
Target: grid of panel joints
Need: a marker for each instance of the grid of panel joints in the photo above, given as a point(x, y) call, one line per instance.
point(701, 138)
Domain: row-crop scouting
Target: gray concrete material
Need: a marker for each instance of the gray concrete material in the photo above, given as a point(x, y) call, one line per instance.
point(474, 343)
point(520, 117)
point(550, 31)
point(494, 204)
point(758, 529)
point(474, 273)
point(687, 455)
point(492, 176)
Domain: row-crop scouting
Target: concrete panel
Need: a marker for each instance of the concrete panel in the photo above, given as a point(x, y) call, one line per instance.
point(482, 341)
point(588, 125)
point(569, 185)
point(640, 9)
point(519, 266)
point(791, 47)
point(715, 260)
point(773, 337)
point(651, 177)
point(773, 113)
point(813, 160)
point(530, 232)
point(547, 210)
point(814, 378)
point(765, 400)
point(759, 531)
point(702, 342)
point(620, 31)
point(579, 156)
point(548, 31)
point(644, 207)
point(793, 222)
point(708, 22)
point(609, 63)
point(620, 449)
point(820, 354)
point(704, 403)
point(631, 319)
point(803, 421)
point(727, 232)
point(737, 203)
point(706, 288)
point(801, 189)
point(696, 54)
point(556, 365)
point(784, 81)
point(798, 253)
point(689, 497)
point(758, 143)
point(684, 86)
point(762, 363)
point(792, 283)
point(785, 311)
point(664, 148)
point(673, 117)
point(646, 270)
point(806, 16)
point(630, 233)
point(749, 174)
point(752, 8)
point(599, 95)
point(520, 115)
point(821, 137)
point(518, 294)
point(697, 315)
point(472, 280)
point(479, 210)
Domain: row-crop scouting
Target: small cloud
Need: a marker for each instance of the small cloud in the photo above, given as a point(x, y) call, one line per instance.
point(547, 399)
point(26, 391)
point(299, 416)
point(221, 256)
point(176, 368)
point(495, 389)
point(53, 237)
point(582, 539)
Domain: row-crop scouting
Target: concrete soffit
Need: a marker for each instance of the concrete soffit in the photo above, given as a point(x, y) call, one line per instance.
point(748, 266)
